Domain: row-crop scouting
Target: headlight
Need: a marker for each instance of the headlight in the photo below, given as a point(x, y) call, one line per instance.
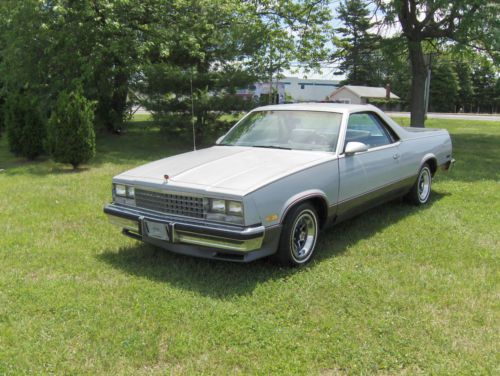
point(234, 208)
point(217, 206)
point(225, 211)
point(124, 192)
point(121, 190)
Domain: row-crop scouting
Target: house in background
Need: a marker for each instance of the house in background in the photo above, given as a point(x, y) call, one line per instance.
point(362, 94)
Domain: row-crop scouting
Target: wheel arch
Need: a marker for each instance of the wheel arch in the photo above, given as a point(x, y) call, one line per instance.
point(431, 160)
point(317, 198)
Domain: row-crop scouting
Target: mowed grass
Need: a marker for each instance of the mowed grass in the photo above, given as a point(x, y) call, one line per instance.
point(398, 290)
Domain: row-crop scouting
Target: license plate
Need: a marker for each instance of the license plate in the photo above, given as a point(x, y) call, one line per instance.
point(157, 230)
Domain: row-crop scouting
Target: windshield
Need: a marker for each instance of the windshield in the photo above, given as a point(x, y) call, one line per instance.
point(300, 130)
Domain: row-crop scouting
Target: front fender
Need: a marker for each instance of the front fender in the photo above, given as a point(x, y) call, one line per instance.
point(302, 196)
point(274, 200)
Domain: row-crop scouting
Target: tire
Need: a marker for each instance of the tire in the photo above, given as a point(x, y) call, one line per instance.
point(299, 236)
point(420, 192)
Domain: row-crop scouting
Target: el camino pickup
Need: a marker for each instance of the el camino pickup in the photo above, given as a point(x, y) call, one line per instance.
point(275, 179)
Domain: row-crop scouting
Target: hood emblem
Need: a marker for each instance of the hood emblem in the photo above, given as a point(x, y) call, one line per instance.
point(166, 178)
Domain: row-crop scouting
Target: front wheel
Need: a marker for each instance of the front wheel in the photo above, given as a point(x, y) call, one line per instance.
point(420, 193)
point(298, 239)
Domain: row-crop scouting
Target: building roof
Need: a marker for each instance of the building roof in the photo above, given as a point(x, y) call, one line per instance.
point(366, 91)
point(309, 81)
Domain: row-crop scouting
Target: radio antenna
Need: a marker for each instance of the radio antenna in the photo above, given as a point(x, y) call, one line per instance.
point(192, 110)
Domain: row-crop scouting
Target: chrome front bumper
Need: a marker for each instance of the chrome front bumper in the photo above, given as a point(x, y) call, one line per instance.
point(195, 238)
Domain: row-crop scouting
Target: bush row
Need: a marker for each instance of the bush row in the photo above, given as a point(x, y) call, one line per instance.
point(67, 136)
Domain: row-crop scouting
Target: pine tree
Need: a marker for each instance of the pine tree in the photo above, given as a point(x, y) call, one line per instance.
point(484, 81)
point(71, 137)
point(466, 91)
point(25, 125)
point(444, 88)
point(357, 49)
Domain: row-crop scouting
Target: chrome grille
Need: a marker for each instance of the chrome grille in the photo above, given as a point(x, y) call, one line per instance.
point(170, 203)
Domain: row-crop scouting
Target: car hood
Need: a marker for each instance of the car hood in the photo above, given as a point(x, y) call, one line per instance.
point(225, 169)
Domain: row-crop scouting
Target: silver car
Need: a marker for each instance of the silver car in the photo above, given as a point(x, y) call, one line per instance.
point(275, 179)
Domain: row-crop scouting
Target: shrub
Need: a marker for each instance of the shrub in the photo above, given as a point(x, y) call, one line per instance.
point(71, 136)
point(25, 125)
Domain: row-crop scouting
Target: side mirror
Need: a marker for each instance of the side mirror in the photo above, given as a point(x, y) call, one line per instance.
point(355, 147)
point(219, 139)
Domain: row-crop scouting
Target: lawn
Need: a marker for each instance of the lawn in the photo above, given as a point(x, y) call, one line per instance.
point(398, 290)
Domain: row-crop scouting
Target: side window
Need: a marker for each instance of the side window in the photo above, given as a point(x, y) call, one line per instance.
point(367, 128)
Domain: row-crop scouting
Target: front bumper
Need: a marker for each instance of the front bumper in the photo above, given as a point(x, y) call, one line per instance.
point(195, 238)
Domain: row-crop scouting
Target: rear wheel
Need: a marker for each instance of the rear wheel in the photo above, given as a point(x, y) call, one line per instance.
point(420, 193)
point(298, 239)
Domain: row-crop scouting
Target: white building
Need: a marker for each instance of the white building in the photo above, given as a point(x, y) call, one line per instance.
point(294, 89)
point(305, 90)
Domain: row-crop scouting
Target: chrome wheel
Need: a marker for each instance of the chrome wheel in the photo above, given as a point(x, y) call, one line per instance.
point(303, 236)
point(424, 185)
point(420, 192)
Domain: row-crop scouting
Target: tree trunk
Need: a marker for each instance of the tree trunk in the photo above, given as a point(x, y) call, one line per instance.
point(119, 100)
point(200, 126)
point(419, 74)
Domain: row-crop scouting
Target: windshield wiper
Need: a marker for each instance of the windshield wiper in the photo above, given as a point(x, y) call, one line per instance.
point(271, 147)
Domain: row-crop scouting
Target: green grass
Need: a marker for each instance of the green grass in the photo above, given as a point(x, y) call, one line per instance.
point(398, 290)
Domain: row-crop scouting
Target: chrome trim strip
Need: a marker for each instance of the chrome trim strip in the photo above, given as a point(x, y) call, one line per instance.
point(188, 237)
point(166, 191)
point(394, 144)
point(248, 231)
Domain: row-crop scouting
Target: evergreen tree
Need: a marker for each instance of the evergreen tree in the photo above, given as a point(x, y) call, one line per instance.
point(496, 106)
point(71, 137)
point(466, 91)
point(484, 82)
point(357, 49)
point(25, 125)
point(444, 88)
point(2, 115)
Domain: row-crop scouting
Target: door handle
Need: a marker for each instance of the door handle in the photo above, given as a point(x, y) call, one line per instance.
point(395, 156)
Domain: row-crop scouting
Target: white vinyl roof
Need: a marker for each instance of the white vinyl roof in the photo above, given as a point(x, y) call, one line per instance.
point(366, 91)
point(313, 106)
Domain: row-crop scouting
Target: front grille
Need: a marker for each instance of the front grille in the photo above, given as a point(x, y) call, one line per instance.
point(170, 203)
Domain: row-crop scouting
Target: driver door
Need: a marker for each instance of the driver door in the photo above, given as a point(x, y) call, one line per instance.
point(367, 178)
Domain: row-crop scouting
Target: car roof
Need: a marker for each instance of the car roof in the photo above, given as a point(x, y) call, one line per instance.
point(314, 106)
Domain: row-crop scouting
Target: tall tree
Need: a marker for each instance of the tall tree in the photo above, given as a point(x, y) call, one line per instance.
point(484, 80)
point(444, 90)
point(395, 67)
point(53, 45)
point(465, 97)
point(357, 49)
point(464, 21)
point(496, 105)
point(50, 45)
point(216, 47)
